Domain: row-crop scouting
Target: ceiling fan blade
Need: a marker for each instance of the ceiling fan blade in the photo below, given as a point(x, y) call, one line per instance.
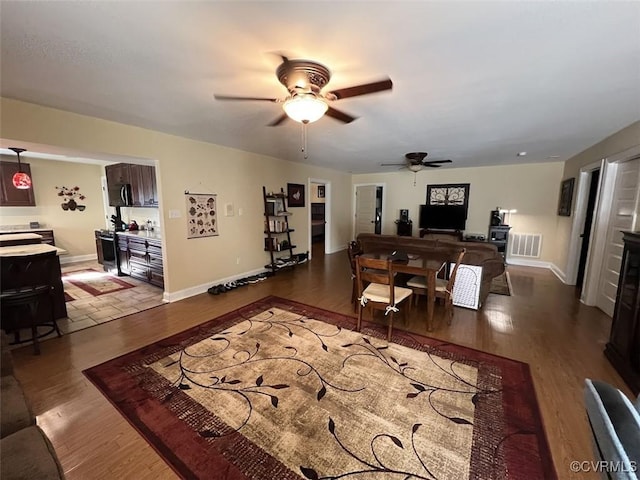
point(278, 120)
point(431, 165)
point(392, 164)
point(363, 89)
point(436, 161)
point(338, 115)
point(231, 97)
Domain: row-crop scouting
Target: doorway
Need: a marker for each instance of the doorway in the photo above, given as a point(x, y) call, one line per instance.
point(586, 232)
point(368, 209)
point(617, 208)
point(623, 214)
point(319, 217)
point(317, 199)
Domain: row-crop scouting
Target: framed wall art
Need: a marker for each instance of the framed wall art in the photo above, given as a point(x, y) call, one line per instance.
point(202, 214)
point(566, 197)
point(295, 195)
point(320, 191)
point(448, 194)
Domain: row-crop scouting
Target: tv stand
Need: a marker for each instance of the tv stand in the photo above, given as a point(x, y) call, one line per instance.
point(456, 234)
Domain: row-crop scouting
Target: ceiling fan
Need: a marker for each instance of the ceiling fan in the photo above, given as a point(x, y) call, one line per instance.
point(416, 162)
point(305, 102)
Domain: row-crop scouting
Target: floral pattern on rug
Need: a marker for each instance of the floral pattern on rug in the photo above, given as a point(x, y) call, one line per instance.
point(283, 390)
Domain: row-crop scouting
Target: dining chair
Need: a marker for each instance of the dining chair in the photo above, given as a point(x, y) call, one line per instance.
point(444, 287)
point(376, 289)
point(353, 251)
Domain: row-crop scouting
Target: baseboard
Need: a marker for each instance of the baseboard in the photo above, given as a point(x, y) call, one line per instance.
point(198, 289)
point(64, 259)
point(539, 264)
point(559, 273)
point(340, 248)
point(528, 263)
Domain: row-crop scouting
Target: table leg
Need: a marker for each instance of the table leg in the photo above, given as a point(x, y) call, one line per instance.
point(431, 299)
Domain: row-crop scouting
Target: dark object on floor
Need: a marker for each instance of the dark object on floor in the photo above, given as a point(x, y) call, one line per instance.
point(26, 451)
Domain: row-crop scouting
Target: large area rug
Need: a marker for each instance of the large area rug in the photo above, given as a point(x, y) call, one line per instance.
point(281, 390)
point(93, 282)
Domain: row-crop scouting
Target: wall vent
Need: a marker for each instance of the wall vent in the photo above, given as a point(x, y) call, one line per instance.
point(525, 245)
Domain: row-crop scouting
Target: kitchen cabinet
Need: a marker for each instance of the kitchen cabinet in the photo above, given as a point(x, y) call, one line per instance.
point(10, 196)
point(143, 186)
point(142, 181)
point(141, 258)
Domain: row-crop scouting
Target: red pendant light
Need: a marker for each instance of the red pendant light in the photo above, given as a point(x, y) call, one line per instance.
point(21, 180)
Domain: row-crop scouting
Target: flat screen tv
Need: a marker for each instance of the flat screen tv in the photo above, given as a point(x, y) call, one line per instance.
point(443, 217)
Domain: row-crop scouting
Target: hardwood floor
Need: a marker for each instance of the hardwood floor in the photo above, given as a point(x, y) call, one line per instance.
point(541, 323)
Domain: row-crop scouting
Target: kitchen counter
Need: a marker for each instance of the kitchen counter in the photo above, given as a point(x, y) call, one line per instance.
point(153, 235)
point(11, 239)
point(23, 250)
point(22, 229)
point(46, 233)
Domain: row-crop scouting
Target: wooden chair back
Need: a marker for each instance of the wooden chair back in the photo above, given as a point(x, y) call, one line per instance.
point(454, 271)
point(372, 270)
point(370, 274)
point(353, 251)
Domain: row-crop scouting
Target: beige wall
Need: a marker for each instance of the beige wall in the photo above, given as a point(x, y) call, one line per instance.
point(620, 141)
point(73, 230)
point(235, 176)
point(532, 189)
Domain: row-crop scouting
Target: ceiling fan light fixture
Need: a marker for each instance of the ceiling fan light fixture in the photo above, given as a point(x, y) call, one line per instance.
point(415, 168)
point(305, 108)
point(20, 179)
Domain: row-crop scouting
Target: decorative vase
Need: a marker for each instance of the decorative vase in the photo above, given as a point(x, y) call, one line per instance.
point(65, 206)
point(72, 204)
point(81, 207)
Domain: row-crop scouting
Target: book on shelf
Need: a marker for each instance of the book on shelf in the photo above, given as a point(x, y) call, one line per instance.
point(275, 207)
point(275, 226)
point(271, 244)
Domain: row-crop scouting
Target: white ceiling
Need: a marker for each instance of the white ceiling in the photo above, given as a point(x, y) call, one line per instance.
point(476, 82)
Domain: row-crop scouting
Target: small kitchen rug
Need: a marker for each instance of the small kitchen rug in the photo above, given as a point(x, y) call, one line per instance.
point(94, 282)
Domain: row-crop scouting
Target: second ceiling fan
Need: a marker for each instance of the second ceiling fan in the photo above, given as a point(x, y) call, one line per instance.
point(416, 162)
point(306, 103)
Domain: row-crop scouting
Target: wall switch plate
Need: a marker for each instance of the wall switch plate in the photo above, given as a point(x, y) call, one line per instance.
point(228, 210)
point(174, 214)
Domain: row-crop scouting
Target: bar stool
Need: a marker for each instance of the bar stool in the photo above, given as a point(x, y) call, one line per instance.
point(25, 302)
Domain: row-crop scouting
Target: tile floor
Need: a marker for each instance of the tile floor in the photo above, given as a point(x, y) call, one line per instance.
point(88, 311)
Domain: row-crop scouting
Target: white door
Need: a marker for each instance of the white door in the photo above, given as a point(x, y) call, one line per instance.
point(623, 216)
point(365, 209)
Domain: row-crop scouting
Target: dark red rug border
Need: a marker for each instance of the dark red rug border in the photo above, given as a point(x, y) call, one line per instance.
point(520, 403)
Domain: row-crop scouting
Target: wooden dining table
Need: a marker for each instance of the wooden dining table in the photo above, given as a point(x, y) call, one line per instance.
point(424, 265)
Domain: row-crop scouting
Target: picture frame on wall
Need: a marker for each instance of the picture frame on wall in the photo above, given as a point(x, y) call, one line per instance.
point(295, 195)
point(566, 197)
point(449, 194)
point(320, 191)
